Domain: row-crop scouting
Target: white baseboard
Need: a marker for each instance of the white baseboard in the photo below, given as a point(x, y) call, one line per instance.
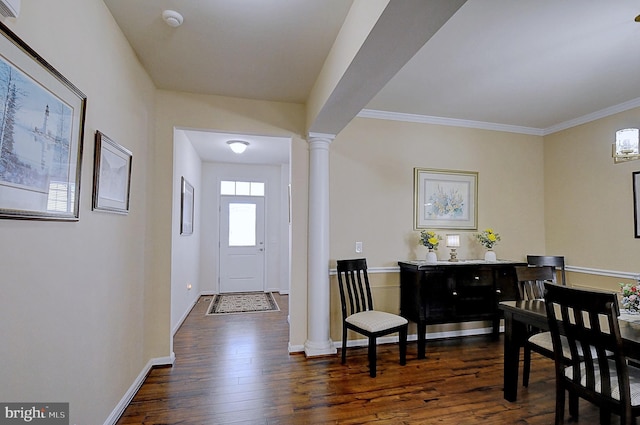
point(133, 389)
point(184, 316)
point(363, 342)
point(296, 348)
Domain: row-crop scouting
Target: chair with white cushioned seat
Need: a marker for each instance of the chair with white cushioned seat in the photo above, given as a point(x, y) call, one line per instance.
point(359, 315)
point(556, 261)
point(531, 287)
point(540, 342)
point(600, 374)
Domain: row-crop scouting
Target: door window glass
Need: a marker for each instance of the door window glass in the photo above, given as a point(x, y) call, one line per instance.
point(242, 224)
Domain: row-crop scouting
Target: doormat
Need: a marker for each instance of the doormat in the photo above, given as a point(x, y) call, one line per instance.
point(253, 302)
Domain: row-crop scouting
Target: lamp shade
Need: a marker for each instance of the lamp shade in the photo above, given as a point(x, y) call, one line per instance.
point(627, 141)
point(238, 146)
point(453, 241)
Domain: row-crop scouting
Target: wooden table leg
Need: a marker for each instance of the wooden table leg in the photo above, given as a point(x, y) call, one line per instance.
point(512, 343)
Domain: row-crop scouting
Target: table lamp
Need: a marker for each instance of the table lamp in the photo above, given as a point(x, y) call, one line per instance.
point(453, 242)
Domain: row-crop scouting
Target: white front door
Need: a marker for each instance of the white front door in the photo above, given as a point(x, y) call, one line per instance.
point(241, 244)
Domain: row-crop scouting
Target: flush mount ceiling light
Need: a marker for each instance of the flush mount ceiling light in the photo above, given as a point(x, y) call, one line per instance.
point(238, 146)
point(172, 18)
point(627, 145)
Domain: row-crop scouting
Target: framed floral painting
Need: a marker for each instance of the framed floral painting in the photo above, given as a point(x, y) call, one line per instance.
point(445, 199)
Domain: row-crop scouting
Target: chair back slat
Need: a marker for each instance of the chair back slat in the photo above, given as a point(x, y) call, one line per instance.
point(589, 321)
point(556, 261)
point(531, 281)
point(355, 291)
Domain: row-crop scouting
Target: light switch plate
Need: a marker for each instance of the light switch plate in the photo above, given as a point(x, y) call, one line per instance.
point(358, 247)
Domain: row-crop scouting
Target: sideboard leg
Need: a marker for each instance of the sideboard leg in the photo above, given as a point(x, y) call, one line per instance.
point(422, 331)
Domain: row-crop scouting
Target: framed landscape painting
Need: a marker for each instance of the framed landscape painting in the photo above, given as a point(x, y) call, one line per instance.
point(111, 176)
point(41, 128)
point(445, 199)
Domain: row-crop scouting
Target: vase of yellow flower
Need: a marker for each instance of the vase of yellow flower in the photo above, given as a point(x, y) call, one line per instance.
point(488, 238)
point(490, 256)
point(431, 240)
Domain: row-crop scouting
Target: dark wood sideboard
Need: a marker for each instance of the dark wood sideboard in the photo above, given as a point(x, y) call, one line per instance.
point(453, 292)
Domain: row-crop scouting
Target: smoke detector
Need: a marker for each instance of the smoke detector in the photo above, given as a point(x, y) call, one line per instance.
point(172, 18)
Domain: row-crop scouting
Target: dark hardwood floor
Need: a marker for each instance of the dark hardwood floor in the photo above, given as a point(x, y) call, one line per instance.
point(235, 369)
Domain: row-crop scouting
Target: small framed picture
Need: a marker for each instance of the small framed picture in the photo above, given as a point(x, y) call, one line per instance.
point(636, 203)
point(445, 199)
point(111, 176)
point(186, 208)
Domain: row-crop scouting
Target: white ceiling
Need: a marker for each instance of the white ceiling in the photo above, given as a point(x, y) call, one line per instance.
point(212, 147)
point(534, 65)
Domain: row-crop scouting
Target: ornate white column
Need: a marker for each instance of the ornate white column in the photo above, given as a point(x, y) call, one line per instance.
point(318, 295)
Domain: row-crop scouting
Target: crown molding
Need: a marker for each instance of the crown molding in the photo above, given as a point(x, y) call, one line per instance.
point(634, 103)
point(454, 122)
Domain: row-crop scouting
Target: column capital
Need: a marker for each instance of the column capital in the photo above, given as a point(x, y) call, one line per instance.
point(312, 137)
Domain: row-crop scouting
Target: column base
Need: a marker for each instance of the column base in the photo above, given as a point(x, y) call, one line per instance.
point(317, 349)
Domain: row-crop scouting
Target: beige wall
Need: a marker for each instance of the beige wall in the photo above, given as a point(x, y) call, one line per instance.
point(73, 293)
point(589, 201)
point(372, 164)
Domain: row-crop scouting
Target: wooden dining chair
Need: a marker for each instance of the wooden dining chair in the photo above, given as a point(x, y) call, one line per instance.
point(556, 261)
point(597, 371)
point(540, 342)
point(531, 287)
point(359, 315)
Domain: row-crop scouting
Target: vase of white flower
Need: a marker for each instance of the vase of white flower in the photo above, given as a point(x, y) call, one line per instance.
point(630, 298)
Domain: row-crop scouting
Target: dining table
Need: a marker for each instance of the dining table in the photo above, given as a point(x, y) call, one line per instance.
point(520, 315)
